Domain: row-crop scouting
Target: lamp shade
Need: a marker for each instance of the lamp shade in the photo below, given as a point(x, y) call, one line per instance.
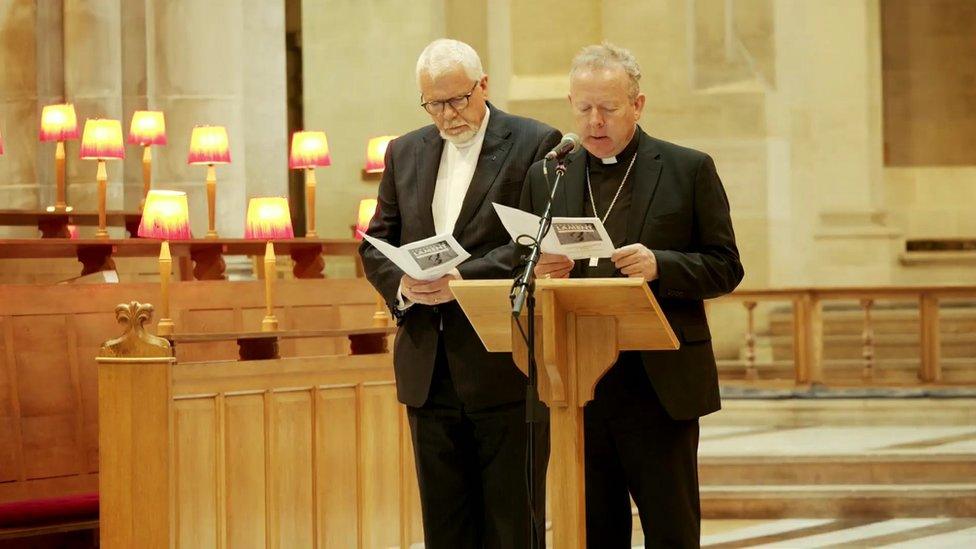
point(367, 209)
point(59, 123)
point(165, 216)
point(102, 140)
point(147, 128)
point(308, 150)
point(376, 152)
point(1, 143)
point(209, 145)
point(268, 218)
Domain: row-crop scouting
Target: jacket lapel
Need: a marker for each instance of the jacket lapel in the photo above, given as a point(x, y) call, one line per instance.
point(647, 174)
point(428, 162)
point(494, 151)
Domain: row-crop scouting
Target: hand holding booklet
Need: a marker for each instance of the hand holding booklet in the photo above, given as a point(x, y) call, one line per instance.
point(574, 237)
point(427, 259)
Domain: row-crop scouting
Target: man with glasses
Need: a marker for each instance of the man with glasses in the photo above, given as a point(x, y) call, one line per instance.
point(466, 407)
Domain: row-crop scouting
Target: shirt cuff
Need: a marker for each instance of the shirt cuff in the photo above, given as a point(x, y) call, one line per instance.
point(402, 302)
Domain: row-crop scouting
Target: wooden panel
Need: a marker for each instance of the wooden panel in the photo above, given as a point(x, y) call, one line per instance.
point(47, 376)
point(412, 525)
point(380, 439)
point(314, 317)
point(47, 396)
point(291, 469)
point(244, 439)
point(10, 452)
point(207, 320)
point(195, 438)
point(90, 330)
point(337, 471)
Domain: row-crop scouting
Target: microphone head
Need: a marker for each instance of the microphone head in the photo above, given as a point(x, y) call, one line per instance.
point(574, 139)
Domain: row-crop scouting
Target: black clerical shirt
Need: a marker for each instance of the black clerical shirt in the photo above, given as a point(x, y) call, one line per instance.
point(605, 179)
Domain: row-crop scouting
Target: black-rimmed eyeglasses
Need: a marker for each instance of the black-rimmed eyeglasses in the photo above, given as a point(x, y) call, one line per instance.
point(458, 103)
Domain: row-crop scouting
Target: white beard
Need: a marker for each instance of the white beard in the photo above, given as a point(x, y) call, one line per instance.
point(461, 138)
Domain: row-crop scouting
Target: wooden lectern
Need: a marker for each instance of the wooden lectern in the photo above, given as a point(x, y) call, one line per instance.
point(581, 326)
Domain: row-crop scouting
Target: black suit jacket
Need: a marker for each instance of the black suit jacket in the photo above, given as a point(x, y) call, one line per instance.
point(679, 210)
point(404, 215)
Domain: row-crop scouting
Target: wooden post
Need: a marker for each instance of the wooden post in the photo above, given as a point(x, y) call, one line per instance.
point(270, 322)
point(867, 339)
point(211, 201)
point(146, 175)
point(310, 202)
point(808, 339)
point(135, 422)
point(102, 177)
point(931, 369)
point(751, 373)
point(165, 326)
point(60, 201)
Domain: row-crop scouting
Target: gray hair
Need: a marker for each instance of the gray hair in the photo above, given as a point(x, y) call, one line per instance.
point(608, 56)
point(445, 55)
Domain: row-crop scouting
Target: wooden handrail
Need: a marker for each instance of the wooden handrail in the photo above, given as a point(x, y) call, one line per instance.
point(808, 323)
point(97, 254)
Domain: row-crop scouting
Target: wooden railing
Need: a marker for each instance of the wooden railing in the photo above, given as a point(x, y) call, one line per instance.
point(808, 325)
point(206, 255)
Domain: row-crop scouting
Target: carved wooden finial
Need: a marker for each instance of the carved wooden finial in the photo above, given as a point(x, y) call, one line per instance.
point(135, 340)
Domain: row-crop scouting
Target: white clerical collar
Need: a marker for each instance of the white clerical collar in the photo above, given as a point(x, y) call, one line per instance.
point(609, 160)
point(478, 138)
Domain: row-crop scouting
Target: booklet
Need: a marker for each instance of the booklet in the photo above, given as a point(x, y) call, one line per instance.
point(574, 237)
point(426, 259)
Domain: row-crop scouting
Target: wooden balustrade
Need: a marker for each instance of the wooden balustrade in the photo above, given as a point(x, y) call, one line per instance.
point(808, 325)
point(55, 224)
point(207, 255)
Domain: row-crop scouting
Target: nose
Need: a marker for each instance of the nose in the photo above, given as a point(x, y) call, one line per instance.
point(449, 112)
point(596, 118)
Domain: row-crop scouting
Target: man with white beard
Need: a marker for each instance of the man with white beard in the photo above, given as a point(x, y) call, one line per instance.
point(466, 406)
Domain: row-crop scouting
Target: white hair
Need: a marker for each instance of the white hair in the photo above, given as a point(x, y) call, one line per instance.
point(445, 55)
point(608, 56)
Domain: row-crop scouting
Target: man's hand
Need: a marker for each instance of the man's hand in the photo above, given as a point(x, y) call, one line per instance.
point(553, 266)
point(429, 292)
point(635, 260)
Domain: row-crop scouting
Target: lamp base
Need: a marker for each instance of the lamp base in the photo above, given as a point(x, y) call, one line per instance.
point(269, 324)
point(212, 234)
point(59, 208)
point(101, 233)
point(311, 234)
point(165, 327)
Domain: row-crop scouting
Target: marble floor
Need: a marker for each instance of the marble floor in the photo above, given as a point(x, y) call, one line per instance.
point(797, 533)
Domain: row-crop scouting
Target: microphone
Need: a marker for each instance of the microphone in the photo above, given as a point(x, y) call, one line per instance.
point(569, 144)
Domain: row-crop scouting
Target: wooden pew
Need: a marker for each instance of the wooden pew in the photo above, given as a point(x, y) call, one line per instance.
point(50, 335)
point(292, 452)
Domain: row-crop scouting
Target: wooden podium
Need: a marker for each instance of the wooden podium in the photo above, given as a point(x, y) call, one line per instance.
point(581, 326)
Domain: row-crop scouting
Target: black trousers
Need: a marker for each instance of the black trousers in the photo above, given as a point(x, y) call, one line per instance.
point(471, 467)
point(634, 449)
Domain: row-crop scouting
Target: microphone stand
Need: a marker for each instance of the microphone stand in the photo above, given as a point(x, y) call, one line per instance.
point(522, 294)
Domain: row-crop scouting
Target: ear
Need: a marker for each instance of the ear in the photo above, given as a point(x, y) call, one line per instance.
point(639, 105)
point(483, 84)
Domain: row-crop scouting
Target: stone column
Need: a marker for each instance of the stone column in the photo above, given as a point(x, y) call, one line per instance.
point(194, 67)
point(21, 54)
point(93, 82)
point(830, 112)
point(133, 69)
point(359, 82)
point(265, 99)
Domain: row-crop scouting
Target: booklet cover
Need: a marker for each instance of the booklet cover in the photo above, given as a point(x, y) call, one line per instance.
point(427, 259)
point(574, 237)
